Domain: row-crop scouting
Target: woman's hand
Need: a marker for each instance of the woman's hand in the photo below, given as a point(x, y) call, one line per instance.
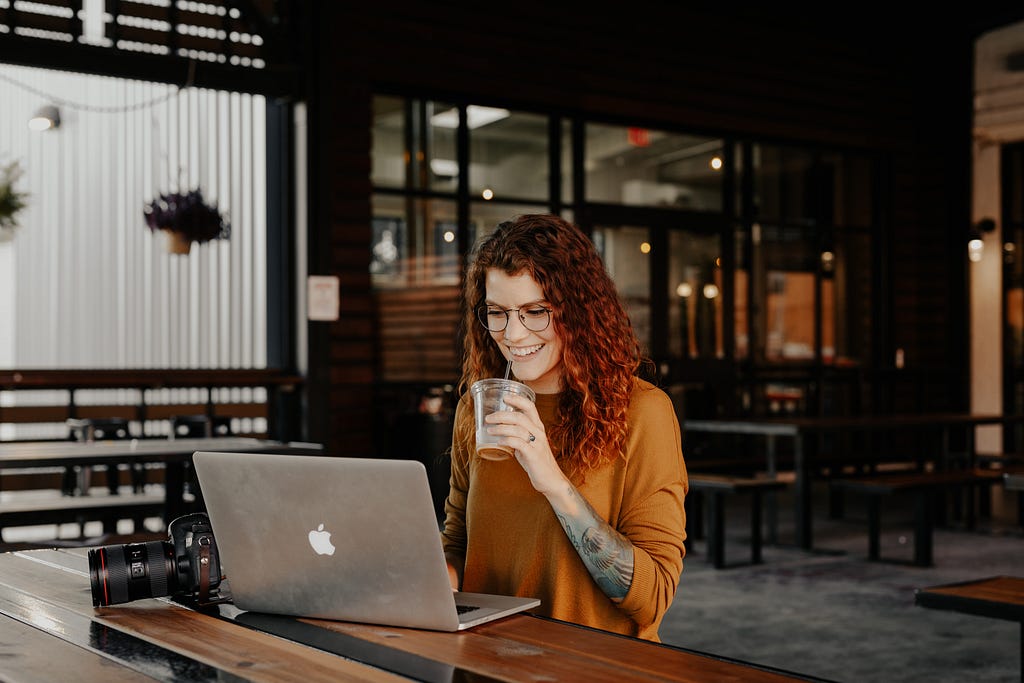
point(523, 431)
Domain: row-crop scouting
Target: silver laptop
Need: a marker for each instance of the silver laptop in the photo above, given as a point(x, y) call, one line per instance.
point(351, 539)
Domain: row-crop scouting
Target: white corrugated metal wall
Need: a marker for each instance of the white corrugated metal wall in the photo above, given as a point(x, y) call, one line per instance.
point(84, 283)
point(91, 285)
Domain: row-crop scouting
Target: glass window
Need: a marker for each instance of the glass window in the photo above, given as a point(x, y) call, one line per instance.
point(414, 269)
point(644, 167)
point(414, 242)
point(782, 178)
point(810, 188)
point(741, 297)
point(388, 165)
point(508, 154)
point(790, 264)
point(695, 296)
point(567, 161)
point(485, 216)
point(785, 267)
point(626, 251)
point(846, 299)
point(414, 144)
point(853, 190)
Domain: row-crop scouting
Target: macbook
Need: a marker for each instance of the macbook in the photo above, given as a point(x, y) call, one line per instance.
point(351, 539)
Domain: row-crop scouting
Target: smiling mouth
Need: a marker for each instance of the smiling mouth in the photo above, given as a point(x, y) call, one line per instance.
point(524, 351)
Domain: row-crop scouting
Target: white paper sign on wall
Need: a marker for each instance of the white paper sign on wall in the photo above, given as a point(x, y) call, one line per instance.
point(323, 297)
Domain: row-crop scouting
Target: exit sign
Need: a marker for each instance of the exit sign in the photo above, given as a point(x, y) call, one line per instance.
point(638, 137)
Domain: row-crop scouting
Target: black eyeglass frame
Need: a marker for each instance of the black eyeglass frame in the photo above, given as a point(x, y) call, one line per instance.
point(483, 309)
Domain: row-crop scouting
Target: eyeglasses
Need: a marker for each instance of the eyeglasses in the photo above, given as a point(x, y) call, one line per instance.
point(534, 317)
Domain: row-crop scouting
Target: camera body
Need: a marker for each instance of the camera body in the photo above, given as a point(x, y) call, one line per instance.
point(186, 564)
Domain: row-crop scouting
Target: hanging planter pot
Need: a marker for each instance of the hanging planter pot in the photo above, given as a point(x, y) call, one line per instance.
point(177, 243)
point(186, 218)
point(11, 201)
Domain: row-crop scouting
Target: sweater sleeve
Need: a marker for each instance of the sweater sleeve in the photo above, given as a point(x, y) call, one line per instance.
point(652, 515)
point(453, 537)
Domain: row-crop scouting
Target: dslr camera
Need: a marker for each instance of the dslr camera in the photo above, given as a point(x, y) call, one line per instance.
point(186, 564)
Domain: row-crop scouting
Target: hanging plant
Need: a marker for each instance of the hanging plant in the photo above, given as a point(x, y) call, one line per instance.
point(186, 218)
point(11, 201)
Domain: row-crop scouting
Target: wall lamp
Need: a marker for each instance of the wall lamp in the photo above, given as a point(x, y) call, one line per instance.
point(45, 118)
point(976, 243)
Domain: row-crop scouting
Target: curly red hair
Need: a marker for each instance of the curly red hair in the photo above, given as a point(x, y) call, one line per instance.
point(601, 353)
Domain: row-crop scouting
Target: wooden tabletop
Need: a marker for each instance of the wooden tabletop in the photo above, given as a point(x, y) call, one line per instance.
point(50, 631)
point(999, 597)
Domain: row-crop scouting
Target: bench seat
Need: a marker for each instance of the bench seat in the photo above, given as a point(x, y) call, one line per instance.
point(924, 486)
point(716, 487)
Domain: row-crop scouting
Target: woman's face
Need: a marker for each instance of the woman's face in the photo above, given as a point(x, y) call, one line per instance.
point(536, 356)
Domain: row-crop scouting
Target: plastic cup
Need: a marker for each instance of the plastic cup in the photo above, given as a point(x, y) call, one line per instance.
point(488, 397)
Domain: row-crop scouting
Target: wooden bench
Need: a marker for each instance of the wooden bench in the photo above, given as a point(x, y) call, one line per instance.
point(716, 487)
point(46, 507)
point(924, 486)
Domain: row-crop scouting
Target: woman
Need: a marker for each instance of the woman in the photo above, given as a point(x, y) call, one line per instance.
point(588, 516)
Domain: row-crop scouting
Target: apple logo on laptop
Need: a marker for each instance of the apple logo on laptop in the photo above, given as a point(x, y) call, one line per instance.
point(321, 541)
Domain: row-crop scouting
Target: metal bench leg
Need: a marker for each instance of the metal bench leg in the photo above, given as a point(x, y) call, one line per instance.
point(836, 503)
point(113, 478)
point(695, 523)
point(985, 502)
point(971, 493)
point(874, 526)
point(923, 523)
point(693, 506)
point(755, 527)
point(716, 529)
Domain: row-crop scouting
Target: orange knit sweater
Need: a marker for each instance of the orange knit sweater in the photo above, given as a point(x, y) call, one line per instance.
point(513, 544)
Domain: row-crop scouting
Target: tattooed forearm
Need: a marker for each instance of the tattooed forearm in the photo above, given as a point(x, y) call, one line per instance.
point(606, 553)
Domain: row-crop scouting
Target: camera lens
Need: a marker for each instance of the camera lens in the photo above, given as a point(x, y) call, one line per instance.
point(122, 573)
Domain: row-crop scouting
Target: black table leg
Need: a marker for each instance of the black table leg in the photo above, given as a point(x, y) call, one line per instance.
point(716, 528)
point(874, 526)
point(755, 527)
point(923, 523)
point(174, 489)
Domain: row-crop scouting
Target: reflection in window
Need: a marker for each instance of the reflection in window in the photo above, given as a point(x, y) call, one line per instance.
point(790, 307)
point(388, 233)
point(695, 296)
point(644, 167)
point(508, 155)
point(410, 150)
point(485, 216)
point(626, 253)
point(414, 242)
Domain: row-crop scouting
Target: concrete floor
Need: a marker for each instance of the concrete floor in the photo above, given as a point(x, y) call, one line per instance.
point(831, 613)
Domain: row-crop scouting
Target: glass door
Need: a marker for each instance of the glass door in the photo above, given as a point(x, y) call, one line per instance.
point(671, 274)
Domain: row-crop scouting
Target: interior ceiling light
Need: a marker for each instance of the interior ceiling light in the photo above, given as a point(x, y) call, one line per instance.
point(46, 117)
point(476, 116)
point(445, 168)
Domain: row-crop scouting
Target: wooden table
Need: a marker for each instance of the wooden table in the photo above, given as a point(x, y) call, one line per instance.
point(173, 453)
point(802, 429)
point(998, 597)
point(49, 630)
